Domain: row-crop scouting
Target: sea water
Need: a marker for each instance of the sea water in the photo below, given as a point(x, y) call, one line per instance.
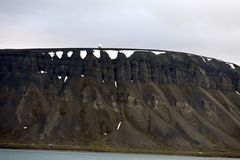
point(18, 154)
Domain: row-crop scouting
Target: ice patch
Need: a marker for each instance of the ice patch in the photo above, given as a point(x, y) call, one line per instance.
point(83, 54)
point(25, 127)
point(69, 54)
point(115, 84)
point(158, 52)
point(59, 54)
point(128, 53)
point(237, 92)
point(119, 125)
point(112, 54)
point(65, 79)
point(96, 53)
point(203, 59)
point(59, 77)
point(82, 75)
point(231, 65)
point(51, 54)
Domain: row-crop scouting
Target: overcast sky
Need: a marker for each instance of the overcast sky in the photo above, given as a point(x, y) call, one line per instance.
point(204, 27)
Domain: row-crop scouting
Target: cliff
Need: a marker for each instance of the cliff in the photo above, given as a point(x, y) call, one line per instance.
point(176, 100)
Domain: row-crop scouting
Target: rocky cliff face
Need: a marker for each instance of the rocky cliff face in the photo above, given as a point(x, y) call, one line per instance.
point(146, 100)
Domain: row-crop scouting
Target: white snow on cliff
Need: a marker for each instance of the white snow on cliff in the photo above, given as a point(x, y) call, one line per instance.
point(83, 54)
point(119, 125)
point(59, 54)
point(69, 54)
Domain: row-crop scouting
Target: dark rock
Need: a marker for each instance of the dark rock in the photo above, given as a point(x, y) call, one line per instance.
point(174, 99)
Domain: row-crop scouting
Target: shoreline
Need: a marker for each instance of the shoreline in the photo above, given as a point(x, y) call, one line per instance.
point(106, 149)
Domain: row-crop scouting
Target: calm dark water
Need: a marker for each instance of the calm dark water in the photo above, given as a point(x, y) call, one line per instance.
point(10, 154)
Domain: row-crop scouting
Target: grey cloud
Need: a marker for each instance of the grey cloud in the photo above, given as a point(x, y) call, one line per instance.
point(207, 27)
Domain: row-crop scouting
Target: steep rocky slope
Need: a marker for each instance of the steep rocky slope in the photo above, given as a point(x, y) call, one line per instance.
point(172, 99)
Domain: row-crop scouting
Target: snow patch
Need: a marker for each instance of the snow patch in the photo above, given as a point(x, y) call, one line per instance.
point(96, 53)
point(59, 54)
point(128, 53)
point(119, 125)
point(43, 71)
point(237, 92)
point(59, 77)
point(25, 127)
point(51, 54)
point(209, 59)
point(115, 84)
point(158, 52)
point(83, 54)
point(103, 81)
point(231, 65)
point(69, 54)
point(112, 54)
point(203, 59)
point(105, 133)
point(65, 79)
point(219, 60)
point(82, 75)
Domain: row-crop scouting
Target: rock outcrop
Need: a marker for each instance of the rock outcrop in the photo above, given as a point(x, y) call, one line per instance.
point(147, 100)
